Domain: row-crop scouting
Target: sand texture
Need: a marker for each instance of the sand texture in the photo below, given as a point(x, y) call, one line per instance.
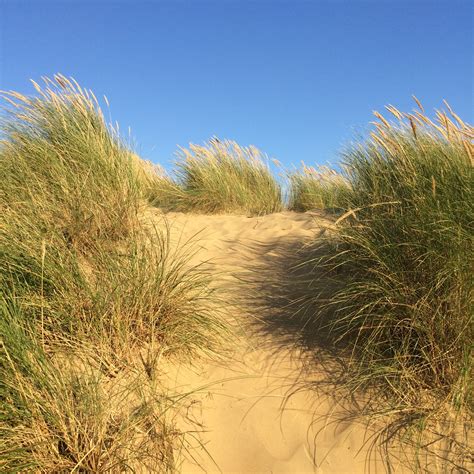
point(256, 408)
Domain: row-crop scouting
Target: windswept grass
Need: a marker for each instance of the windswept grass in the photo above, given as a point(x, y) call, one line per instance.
point(91, 297)
point(148, 296)
point(223, 177)
point(59, 417)
point(80, 273)
point(400, 271)
point(162, 190)
point(317, 188)
point(72, 237)
point(61, 160)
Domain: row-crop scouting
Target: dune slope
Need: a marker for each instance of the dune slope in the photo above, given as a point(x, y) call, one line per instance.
point(255, 407)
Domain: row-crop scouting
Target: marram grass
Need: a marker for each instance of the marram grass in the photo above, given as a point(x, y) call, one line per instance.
point(70, 229)
point(162, 190)
point(60, 158)
point(392, 283)
point(57, 416)
point(81, 274)
point(223, 177)
point(396, 284)
point(319, 188)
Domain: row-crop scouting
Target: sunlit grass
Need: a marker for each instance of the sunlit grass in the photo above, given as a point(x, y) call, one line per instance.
point(61, 415)
point(397, 279)
point(60, 158)
point(162, 190)
point(319, 188)
point(90, 294)
point(222, 177)
point(80, 270)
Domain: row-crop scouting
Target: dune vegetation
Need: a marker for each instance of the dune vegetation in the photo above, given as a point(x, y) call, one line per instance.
point(393, 280)
point(91, 298)
point(220, 177)
point(317, 188)
point(92, 295)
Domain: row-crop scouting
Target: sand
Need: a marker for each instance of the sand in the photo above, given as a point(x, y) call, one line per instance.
point(249, 421)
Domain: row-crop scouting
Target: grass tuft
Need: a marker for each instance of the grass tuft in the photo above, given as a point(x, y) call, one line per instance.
point(223, 177)
point(397, 280)
point(319, 188)
point(162, 190)
point(58, 416)
point(61, 158)
point(84, 277)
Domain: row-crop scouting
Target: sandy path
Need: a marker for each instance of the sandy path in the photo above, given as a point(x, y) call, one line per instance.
point(240, 401)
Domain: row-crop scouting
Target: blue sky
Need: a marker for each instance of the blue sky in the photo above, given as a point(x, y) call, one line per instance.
point(298, 79)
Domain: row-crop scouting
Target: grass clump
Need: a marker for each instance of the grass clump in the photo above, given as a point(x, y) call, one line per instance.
point(147, 298)
point(72, 235)
point(223, 177)
point(81, 273)
point(60, 158)
point(56, 416)
point(322, 188)
point(162, 190)
point(401, 269)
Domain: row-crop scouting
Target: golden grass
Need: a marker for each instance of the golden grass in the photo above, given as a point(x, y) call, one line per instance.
point(317, 188)
point(66, 416)
point(80, 270)
point(392, 285)
point(395, 285)
point(221, 177)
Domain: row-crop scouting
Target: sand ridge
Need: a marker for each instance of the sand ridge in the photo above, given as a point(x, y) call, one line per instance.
point(250, 423)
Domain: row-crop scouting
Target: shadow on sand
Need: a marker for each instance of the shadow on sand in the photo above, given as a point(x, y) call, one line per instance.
point(290, 295)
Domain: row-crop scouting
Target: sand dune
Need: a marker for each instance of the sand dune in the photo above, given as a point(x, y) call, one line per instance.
point(249, 420)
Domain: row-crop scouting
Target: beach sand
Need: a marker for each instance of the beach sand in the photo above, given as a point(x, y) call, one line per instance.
point(257, 410)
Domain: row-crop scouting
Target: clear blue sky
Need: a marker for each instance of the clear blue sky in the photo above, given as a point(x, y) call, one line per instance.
point(298, 79)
